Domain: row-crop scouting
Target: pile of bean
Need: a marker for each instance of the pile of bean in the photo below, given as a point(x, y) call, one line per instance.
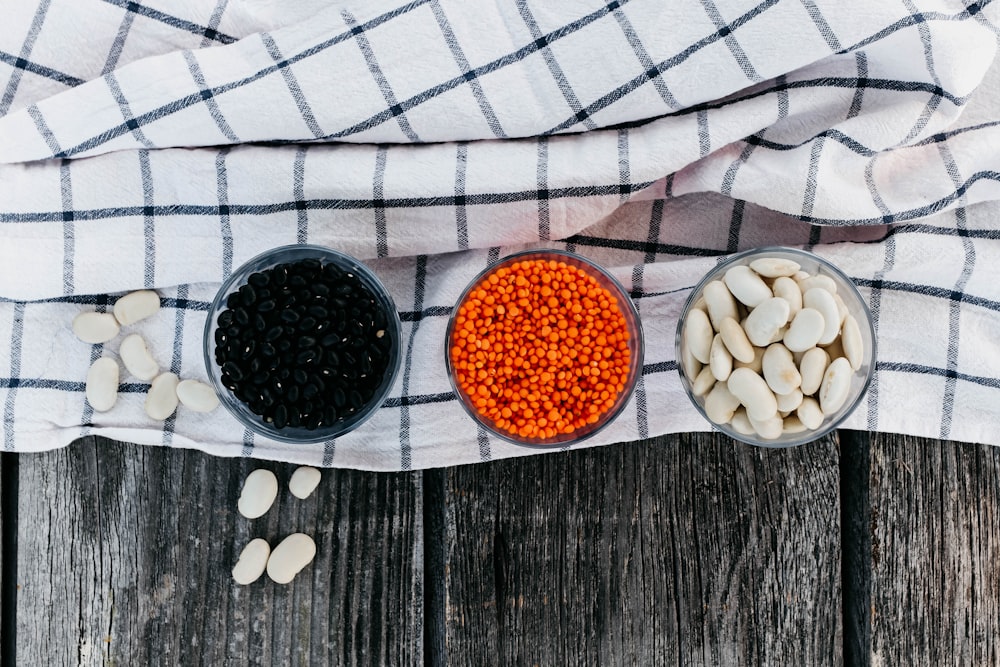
point(770, 349)
point(540, 349)
point(303, 344)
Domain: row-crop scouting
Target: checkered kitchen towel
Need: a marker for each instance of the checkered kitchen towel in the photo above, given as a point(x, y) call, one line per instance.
point(161, 143)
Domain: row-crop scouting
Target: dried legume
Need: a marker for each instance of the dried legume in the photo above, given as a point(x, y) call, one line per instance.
point(540, 348)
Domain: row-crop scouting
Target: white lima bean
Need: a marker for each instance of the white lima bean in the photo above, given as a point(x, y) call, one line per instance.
point(136, 306)
point(290, 556)
point(782, 348)
point(197, 396)
point(252, 561)
point(260, 488)
point(137, 359)
point(304, 481)
point(92, 327)
point(102, 384)
point(161, 399)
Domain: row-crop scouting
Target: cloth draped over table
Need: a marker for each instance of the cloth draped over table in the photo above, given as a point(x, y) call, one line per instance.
point(161, 144)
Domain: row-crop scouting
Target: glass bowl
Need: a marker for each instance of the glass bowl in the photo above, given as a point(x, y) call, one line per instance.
point(859, 379)
point(336, 388)
point(515, 369)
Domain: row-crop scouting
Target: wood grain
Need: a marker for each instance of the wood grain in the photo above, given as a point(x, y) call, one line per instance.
point(688, 549)
point(935, 580)
point(124, 556)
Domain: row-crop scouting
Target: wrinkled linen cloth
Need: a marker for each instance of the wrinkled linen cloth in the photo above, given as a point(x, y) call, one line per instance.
point(160, 144)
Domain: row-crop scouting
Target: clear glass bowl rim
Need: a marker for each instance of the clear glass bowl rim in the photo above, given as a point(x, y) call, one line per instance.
point(283, 255)
point(740, 257)
point(637, 349)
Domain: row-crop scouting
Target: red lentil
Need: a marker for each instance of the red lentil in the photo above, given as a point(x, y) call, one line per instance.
point(540, 348)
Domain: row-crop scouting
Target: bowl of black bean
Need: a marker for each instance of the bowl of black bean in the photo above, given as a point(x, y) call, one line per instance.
point(302, 343)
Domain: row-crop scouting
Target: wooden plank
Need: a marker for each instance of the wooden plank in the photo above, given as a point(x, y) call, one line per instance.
point(124, 556)
point(689, 549)
point(935, 545)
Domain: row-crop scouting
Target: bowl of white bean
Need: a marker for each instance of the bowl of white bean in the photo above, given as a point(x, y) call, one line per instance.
point(775, 346)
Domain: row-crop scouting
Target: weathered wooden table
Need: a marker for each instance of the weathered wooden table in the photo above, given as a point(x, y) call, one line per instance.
point(692, 549)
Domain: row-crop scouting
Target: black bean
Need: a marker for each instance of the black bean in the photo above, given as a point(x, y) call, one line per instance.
point(292, 395)
point(231, 369)
point(297, 281)
point(273, 334)
point(366, 364)
point(306, 407)
point(294, 420)
point(220, 336)
point(344, 289)
point(249, 349)
point(306, 356)
point(266, 306)
point(290, 315)
point(233, 300)
point(380, 320)
point(259, 323)
point(339, 397)
point(248, 294)
point(319, 312)
point(330, 340)
point(314, 421)
point(332, 358)
point(256, 365)
point(307, 324)
point(280, 416)
point(258, 279)
point(307, 341)
point(268, 350)
point(318, 381)
point(260, 377)
point(310, 391)
point(332, 271)
point(225, 318)
point(284, 345)
point(300, 376)
point(330, 414)
point(349, 359)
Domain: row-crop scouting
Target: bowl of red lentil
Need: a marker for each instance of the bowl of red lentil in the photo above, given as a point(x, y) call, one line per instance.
point(544, 348)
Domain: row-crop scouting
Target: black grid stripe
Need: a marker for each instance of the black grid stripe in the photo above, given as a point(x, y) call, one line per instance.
point(208, 97)
point(293, 85)
point(652, 70)
point(69, 230)
point(358, 32)
point(248, 438)
point(378, 199)
point(21, 63)
point(419, 287)
point(543, 194)
point(731, 43)
point(461, 214)
point(148, 221)
point(43, 128)
point(176, 360)
point(16, 339)
point(298, 189)
point(565, 88)
point(126, 110)
point(816, 14)
point(172, 21)
point(463, 65)
point(225, 228)
point(118, 46)
point(211, 31)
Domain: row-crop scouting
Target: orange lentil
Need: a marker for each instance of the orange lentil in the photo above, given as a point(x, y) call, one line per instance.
point(540, 348)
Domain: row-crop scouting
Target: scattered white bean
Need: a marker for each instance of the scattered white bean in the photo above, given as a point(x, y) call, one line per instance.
point(721, 362)
point(753, 392)
point(805, 330)
point(137, 359)
point(746, 286)
point(304, 481)
point(252, 561)
point(765, 320)
point(689, 364)
point(136, 306)
point(836, 385)
point(93, 327)
point(291, 555)
point(161, 399)
point(812, 367)
point(821, 300)
point(793, 424)
point(779, 369)
point(197, 396)
point(102, 384)
point(720, 303)
point(775, 267)
point(850, 338)
point(756, 365)
point(698, 335)
point(260, 488)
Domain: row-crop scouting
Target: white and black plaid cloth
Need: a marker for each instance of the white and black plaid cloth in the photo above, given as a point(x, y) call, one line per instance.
point(161, 143)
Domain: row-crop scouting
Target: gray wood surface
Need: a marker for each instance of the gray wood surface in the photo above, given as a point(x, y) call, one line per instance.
point(935, 568)
point(859, 549)
point(685, 550)
point(124, 556)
